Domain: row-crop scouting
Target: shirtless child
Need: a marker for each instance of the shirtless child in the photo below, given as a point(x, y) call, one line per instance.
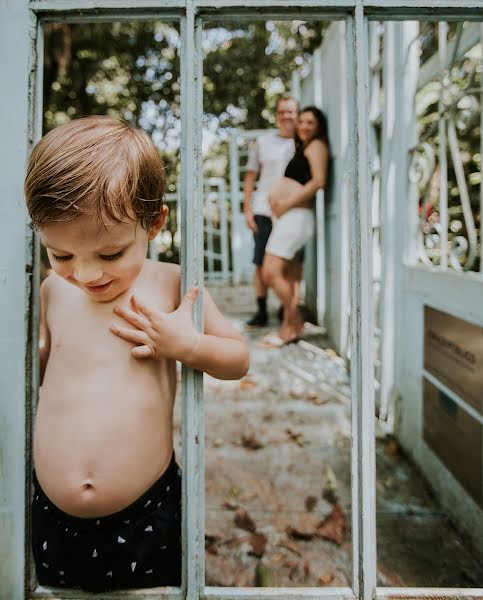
point(106, 507)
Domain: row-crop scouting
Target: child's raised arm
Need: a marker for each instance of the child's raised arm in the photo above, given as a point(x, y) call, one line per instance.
point(220, 351)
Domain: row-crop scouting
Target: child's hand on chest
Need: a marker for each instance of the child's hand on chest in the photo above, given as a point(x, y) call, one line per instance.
point(156, 333)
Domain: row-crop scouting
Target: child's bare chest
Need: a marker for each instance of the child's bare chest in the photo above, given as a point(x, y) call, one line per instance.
point(80, 331)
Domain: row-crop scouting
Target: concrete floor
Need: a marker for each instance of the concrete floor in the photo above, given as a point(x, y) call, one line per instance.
point(278, 495)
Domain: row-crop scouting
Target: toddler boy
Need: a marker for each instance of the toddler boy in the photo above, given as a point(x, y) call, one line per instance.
point(106, 507)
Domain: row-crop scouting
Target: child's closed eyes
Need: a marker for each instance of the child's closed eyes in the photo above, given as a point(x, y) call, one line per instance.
point(107, 257)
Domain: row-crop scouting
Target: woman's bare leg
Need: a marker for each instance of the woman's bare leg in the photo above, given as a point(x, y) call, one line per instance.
point(278, 274)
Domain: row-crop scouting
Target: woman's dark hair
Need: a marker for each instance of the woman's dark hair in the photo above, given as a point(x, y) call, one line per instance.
point(322, 132)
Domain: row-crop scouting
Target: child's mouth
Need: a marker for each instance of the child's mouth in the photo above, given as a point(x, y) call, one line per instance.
point(98, 289)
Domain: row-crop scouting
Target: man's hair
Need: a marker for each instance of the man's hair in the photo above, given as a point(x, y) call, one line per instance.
point(95, 165)
point(286, 99)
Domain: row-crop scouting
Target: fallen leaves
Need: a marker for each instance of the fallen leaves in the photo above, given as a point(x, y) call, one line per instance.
point(303, 527)
point(329, 485)
point(263, 576)
point(290, 545)
point(244, 521)
point(258, 543)
point(334, 526)
point(251, 442)
point(325, 578)
point(310, 503)
point(248, 384)
point(295, 436)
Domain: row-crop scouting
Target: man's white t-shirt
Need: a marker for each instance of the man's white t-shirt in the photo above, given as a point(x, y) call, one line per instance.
point(269, 156)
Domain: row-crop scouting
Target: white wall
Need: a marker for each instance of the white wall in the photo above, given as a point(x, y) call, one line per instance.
point(459, 295)
point(326, 87)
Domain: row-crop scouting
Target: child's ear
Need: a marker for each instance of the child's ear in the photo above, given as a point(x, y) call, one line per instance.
point(158, 223)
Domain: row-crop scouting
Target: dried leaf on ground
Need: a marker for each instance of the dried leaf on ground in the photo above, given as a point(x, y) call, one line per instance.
point(263, 576)
point(334, 526)
point(235, 491)
point(258, 542)
point(310, 503)
point(290, 545)
point(295, 436)
point(210, 542)
point(325, 578)
point(306, 569)
point(244, 521)
point(229, 505)
point(235, 542)
point(218, 442)
point(248, 384)
point(303, 527)
point(329, 485)
point(251, 442)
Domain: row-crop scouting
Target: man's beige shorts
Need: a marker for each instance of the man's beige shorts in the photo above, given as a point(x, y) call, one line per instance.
point(290, 233)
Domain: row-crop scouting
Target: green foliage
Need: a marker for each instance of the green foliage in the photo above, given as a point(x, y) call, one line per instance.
point(131, 70)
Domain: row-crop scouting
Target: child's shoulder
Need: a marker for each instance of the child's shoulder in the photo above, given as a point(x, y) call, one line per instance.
point(52, 282)
point(167, 277)
point(167, 272)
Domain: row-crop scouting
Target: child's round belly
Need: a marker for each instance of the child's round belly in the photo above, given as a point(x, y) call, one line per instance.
point(99, 444)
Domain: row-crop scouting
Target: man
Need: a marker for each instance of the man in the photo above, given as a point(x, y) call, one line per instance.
point(269, 155)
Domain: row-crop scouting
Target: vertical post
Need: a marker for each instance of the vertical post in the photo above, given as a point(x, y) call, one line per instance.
point(192, 273)
point(33, 383)
point(235, 208)
point(295, 87)
point(443, 165)
point(362, 387)
point(400, 75)
point(16, 250)
point(223, 231)
point(481, 154)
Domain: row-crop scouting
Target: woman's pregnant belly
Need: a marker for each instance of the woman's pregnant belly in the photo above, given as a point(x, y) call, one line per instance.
point(282, 191)
point(102, 439)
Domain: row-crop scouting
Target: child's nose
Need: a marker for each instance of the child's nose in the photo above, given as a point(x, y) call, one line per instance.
point(87, 273)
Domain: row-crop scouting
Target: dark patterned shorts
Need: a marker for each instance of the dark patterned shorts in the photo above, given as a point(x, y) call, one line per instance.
point(137, 547)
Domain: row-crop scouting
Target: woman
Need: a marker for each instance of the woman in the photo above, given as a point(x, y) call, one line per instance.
point(292, 200)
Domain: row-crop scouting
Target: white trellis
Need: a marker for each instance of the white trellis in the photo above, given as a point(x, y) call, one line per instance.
point(21, 25)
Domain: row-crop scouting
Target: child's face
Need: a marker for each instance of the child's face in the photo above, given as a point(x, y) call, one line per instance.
point(103, 261)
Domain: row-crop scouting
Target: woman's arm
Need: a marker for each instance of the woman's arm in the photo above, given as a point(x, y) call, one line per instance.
point(317, 153)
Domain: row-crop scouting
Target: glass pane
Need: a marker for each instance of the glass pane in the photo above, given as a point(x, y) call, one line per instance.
point(106, 508)
point(278, 495)
point(426, 196)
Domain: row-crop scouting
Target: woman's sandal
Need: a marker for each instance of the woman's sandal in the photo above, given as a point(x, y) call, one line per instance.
point(273, 340)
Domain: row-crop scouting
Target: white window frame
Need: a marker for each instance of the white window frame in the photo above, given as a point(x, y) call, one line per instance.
point(190, 14)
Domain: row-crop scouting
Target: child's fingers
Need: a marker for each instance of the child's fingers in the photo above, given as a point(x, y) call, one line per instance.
point(131, 335)
point(189, 299)
point(143, 308)
point(142, 352)
point(132, 317)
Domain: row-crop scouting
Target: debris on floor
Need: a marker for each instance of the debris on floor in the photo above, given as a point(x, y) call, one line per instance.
point(278, 479)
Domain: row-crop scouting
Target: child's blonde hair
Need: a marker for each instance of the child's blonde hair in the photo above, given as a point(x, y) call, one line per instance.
point(95, 165)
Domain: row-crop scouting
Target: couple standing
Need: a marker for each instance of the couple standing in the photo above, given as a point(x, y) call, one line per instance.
point(293, 164)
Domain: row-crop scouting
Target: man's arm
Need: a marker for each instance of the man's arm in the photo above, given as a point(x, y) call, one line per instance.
point(253, 168)
point(44, 333)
